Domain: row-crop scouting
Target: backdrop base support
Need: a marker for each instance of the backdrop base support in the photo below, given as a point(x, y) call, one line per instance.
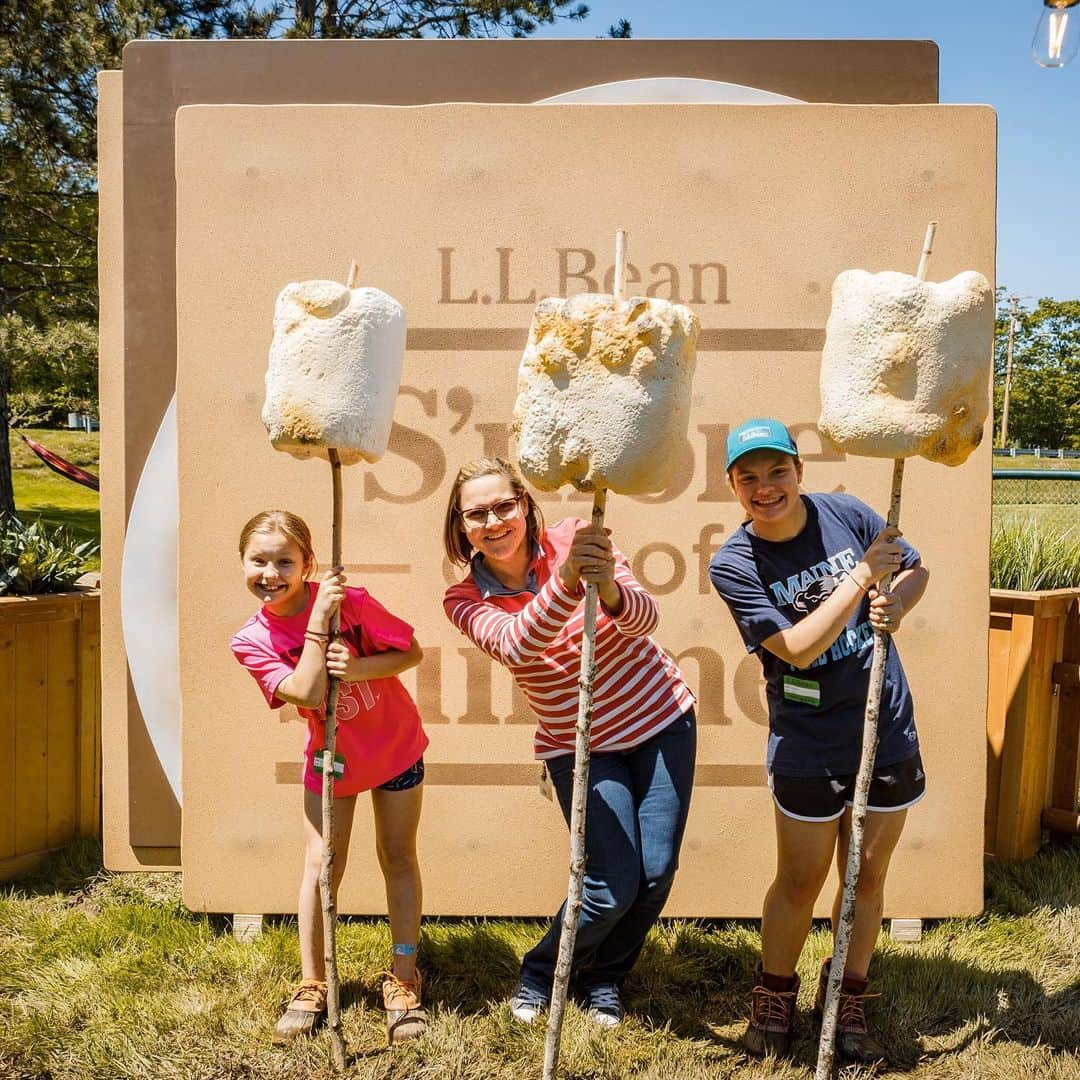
point(908, 930)
point(247, 927)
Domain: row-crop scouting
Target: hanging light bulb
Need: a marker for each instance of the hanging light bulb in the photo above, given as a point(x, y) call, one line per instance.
point(1057, 35)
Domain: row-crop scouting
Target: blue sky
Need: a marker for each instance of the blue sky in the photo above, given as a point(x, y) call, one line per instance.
point(985, 59)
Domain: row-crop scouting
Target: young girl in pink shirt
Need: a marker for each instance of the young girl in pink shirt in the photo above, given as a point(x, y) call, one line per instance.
point(380, 744)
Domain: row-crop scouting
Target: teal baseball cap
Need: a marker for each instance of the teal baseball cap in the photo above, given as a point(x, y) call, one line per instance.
point(761, 434)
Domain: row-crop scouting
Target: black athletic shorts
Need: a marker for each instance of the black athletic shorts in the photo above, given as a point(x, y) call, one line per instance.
point(412, 776)
point(824, 798)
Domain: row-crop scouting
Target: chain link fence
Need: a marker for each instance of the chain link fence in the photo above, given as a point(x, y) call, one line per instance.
point(1048, 497)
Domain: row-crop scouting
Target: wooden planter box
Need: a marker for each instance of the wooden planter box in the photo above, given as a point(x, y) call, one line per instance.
point(1032, 719)
point(50, 725)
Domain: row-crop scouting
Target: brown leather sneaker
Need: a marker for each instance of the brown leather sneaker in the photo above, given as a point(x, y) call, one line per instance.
point(405, 1016)
point(854, 1042)
point(772, 1016)
point(304, 1014)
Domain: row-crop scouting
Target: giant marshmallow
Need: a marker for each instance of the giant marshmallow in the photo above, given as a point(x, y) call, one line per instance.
point(335, 365)
point(604, 393)
point(906, 365)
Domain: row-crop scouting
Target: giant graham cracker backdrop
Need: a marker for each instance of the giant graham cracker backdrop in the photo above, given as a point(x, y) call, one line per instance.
point(140, 720)
point(468, 214)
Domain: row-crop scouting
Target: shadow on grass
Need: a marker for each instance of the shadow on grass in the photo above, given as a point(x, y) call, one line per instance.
point(1050, 880)
point(84, 523)
point(694, 977)
point(77, 873)
point(937, 997)
point(469, 964)
point(71, 869)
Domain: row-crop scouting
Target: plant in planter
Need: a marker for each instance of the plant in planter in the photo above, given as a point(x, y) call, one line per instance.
point(39, 558)
point(49, 668)
point(1033, 713)
point(1031, 557)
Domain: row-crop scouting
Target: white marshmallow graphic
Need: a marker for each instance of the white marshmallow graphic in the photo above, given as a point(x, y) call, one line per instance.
point(335, 365)
point(906, 365)
point(604, 393)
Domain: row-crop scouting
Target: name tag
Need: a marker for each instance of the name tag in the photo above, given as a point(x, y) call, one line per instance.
point(339, 764)
point(804, 691)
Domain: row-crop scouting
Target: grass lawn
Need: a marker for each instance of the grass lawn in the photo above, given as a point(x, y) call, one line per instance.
point(57, 500)
point(108, 975)
point(61, 501)
point(1030, 461)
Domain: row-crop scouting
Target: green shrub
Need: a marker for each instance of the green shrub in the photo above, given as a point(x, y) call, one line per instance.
point(40, 558)
point(53, 370)
point(1031, 555)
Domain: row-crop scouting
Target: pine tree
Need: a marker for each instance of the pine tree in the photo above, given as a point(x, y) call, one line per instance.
point(50, 54)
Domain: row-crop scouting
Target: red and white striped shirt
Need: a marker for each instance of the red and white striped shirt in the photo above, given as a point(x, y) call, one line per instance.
point(639, 689)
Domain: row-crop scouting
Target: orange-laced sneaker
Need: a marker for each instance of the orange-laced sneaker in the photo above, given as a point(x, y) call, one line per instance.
point(405, 1016)
point(304, 1014)
point(854, 1040)
point(772, 1017)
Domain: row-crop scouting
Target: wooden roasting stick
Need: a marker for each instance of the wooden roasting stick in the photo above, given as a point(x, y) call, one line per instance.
point(827, 1045)
point(326, 874)
point(579, 801)
point(329, 902)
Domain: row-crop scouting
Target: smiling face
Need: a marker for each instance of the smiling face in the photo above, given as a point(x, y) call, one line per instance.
point(274, 570)
point(502, 543)
point(766, 483)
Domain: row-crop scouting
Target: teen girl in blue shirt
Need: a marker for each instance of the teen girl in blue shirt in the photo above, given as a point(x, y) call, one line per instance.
point(799, 577)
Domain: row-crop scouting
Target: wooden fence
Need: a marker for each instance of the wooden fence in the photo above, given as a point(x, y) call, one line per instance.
point(1032, 719)
point(50, 725)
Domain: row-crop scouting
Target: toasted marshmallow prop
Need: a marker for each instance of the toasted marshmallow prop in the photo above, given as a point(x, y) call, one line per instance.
point(335, 366)
point(904, 372)
point(905, 367)
point(331, 384)
point(603, 402)
point(604, 393)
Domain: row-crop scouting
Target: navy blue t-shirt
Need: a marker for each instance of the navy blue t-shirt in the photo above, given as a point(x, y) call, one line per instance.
point(769, 586)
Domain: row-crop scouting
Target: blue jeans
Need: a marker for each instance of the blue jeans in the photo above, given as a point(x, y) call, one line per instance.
point(636, 815)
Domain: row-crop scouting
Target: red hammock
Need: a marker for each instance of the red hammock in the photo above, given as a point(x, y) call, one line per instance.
point(59, 465)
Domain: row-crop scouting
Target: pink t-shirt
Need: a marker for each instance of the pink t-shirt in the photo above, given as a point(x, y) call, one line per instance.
point(379, 732)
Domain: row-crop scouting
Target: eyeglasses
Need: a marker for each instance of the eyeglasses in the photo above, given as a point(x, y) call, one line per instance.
point(476, 517)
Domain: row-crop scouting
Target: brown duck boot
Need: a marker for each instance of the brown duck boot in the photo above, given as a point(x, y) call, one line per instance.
point(854, 1041)
point(772, 1014)
point(304, 1014)
point(405, 1016)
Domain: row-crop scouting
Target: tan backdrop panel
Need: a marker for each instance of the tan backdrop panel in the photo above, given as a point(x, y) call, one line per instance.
point(124, 754)
point(466, 213)
point(159, 77)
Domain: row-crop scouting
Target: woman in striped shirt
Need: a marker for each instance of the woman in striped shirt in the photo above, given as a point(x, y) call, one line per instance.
point(520, 602)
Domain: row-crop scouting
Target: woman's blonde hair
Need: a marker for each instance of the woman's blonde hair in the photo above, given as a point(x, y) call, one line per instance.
point(289, 525)
point(455, 538)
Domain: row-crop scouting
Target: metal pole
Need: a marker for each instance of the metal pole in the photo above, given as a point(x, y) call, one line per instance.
point(1014, 307)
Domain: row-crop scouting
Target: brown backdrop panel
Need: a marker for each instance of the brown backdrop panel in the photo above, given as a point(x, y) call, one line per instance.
point(127, 757)
point(464, 212)
point(162, 76)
